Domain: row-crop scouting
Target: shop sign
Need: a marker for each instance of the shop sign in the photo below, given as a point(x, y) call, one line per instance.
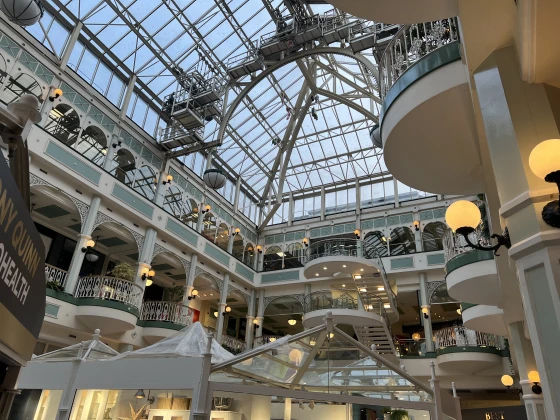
point(22, 270)
point(495, 415)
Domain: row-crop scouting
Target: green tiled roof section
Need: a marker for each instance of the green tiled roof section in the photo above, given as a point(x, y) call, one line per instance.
point(467, 258)
point(65, 297)
point(407, 262)
point(279, 276)
point(182, 232)
point(63, 156)
point(74, 97)
point(195, 192)
point(436, 259)
point(465, 306)
point(9, 46)
point(160, 324)
point(244, 271)
point(216, 253)
point(469, 349)
point(298, 236)
point(338, 229)
point(278, 239)
point(132, 200)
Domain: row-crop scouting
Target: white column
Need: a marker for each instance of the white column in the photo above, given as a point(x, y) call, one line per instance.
point(434, 383)
point(127, 96)
point(70, 45)
point(260, 407)
point(202, 400)
point(323, 203)
point(236, 197)
point(396, 188)
point(83, 237)
point(161, 189)
point(291, 210)
point(200, 217)
point(287, 408)
point(190, 279)
point(230, 239)
point(525, 358)
point(260, 313)
point(250, 318)
point(222, 308)
point(425, 303)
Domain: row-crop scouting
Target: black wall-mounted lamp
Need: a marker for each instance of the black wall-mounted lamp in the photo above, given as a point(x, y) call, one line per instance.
point(89, 246)
point(305, 242)
point(168, 179)
point(226, 311)
point(426, 312)
point(544, 162)
point(57, 93)
point(206, 208)
point(416, 225)
point(357, 233)
point(535, 378)
point(236, 232)
point(259, 249)
point(464, 217)
point(256, 323)
point(148, 275)
point(194, 294)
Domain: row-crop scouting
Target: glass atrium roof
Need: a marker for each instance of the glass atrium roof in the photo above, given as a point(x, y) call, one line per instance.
point(318, 361)
point(87, 350)
point(153, 39)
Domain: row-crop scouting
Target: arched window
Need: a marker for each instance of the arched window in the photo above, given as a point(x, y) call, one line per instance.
point(432, 236)
point(190, 217)
point(249, 255)
point(222, 237)
point(294, 256)
point(124, 166)
point(209, 227)
point(64, 124)
point(273, 259)
point(3, 68)
point(402, 241)
point(173, 202)
point(18, 85)
point(144, 182)
point(93, 144)
point(375, 245)
point(237, 250)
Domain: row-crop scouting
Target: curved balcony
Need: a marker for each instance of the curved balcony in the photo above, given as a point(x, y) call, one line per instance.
point(486, 318)
point(463, 350)
point(55, 277)
point(110, 304)
point(472, 275)
point(162, 319)
point(427, 108)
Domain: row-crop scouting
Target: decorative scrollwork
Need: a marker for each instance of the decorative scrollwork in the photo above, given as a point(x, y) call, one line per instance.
point(219, 282)
point(246, 295)
point(300, 297)
point(432, 286)
point(101, 218)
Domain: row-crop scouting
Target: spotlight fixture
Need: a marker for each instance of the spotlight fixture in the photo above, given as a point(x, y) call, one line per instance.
point(194, 294)
point(206, 208)
point(543, 162)
point(417, 225)
point(259, 249)
point(236, 232)
point(305, 242)
point(226, 311)
point(140, 394)
point(168, 180)
point(89, 246)
point(357, 233)
point(57, 93)
point(535, 378)
point(426, 312)
point(464, 217)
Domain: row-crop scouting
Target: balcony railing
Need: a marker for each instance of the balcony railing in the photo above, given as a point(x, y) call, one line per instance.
point(234, 344)
point(334, 247)
point(329, 299)
point(410, 44)
point(460, 336)
point(109, 288)
point(265, 339)
point(174, 312)
point(411, 347)
point(55, 275)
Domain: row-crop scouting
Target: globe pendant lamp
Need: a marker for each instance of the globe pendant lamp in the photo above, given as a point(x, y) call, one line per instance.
point(22, 12)
point(543, 162)
point(214, 178)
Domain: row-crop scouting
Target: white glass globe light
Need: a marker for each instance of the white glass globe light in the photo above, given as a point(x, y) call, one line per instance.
point(545, 158)
point(214, 178)
point(295, 356)
point(507, 380)
point(534, 376)
point(462, 213)
point(416, 336)
point(92, 257)
point(22, 12)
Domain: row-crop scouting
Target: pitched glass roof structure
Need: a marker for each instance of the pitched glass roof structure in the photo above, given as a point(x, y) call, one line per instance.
point(153, 42)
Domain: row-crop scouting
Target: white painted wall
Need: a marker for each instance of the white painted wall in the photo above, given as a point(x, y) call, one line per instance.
point(321, 411)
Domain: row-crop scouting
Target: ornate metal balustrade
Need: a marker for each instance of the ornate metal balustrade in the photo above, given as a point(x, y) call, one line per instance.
point(411, 347)
point(233, 343)
point(334, 247)
point(460, 336)
point(410, 44)
point(55, 275)
point(329, 299)
point(265, 339)
point(109, 288)
point(174, 312)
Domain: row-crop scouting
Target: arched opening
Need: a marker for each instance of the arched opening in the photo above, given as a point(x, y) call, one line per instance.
point(273, 259)
point(207, 301)
point(209, 227)
point(93, 144)
point(375, 245)
point(402, 241)
point(19, 85)
point(294, 256)
point(123, 166)
point(249, 255)
point(279, 316)
point(145, 182)
point(235, 322)
point(173, 202)
point(190, 218)
point(432, 236)
point(238, 248)
point(64, 124)
point(222, 237)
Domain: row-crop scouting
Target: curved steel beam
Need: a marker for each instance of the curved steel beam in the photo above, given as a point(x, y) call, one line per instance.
point(290, 59)
point(348, 103)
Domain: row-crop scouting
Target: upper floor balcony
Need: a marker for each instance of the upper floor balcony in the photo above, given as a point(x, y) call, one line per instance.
point(427, 108)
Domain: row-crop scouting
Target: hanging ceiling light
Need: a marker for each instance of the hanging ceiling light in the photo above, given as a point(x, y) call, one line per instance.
point(23, 12)
point(292, 321)
point(214, 178)
point(416, 337)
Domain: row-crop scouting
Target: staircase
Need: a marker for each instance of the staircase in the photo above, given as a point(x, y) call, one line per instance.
point(380, 336)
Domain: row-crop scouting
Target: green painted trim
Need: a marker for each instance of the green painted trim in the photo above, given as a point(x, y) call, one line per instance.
point(181, 231)
point(429, 355)
point(160, 324)
point(52, 310)
point(467, 258)
point(71, 162)
point(465, 306)
point(407, 262)
point(427, 64)
point(280, 275)
point(436, 259)
point(128, 198)
point(216, 253)
point(469, 349)
point(65, 297)
point(244, 271)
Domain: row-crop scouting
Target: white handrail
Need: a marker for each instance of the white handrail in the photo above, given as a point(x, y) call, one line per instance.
point(174, 312)
point(460, 336)
point(56, 275)
point(109, 288)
